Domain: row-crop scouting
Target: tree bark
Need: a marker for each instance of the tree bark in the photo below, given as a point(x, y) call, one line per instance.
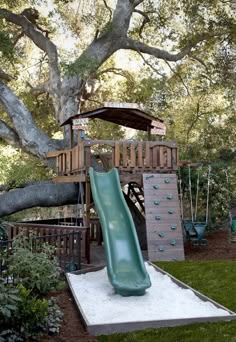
point(45, 194)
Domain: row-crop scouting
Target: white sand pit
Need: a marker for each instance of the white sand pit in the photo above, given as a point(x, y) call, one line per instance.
point(164, 300)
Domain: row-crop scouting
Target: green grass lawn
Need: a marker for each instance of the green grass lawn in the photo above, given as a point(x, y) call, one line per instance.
point(217, 280)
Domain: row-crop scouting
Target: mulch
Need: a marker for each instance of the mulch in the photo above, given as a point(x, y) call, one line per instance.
point(219, 247)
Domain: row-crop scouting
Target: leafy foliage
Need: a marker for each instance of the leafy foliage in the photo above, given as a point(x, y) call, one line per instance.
point(34, 265)
point(18, 168)
point(27, 316)
point(9, 299)
point(24, 314)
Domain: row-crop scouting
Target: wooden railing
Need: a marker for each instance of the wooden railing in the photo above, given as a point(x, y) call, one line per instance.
point(125, 155)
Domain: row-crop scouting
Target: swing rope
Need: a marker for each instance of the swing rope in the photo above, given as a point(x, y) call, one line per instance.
point(181, 196)
point(196, 204)
point(229, 197)
point(208, 193)
point(190, 191)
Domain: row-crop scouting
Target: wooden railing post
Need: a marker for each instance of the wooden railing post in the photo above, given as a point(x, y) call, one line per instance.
point(87, 151)
point(81, 155)
point(117, 154)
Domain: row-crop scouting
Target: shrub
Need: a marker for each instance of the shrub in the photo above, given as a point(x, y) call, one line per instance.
point(23, 316)
point(52, 322)
point(34, 266)
point(9, 299)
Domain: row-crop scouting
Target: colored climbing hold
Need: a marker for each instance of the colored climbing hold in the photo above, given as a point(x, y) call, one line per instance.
point(169, 197)
point(171, 211)
point(155, 186)
point(157, 217)
point(161, 234)
point(148, 177)
point(156, 202)
point(167, 180)
point(173, 243)
point(174, 226)
point(161, 249)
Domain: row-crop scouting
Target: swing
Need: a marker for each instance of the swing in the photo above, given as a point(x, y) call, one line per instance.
point(232, 216)
point(195, 230)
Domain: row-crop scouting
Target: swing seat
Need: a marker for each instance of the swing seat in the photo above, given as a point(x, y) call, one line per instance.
point(189, 229)
point(194, 232)
point(200, 228)
point(233, 225)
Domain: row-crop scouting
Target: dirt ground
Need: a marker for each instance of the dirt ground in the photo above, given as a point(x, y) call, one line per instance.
point(219, 248)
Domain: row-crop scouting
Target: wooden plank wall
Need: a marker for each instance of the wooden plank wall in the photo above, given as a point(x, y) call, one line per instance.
point(163, 222)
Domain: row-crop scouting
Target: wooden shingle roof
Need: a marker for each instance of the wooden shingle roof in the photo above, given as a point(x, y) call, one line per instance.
point(128, 117)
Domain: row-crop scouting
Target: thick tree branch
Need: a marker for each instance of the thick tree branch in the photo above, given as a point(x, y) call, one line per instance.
point(45, 44)
point(31, 138)
point(8, 134)
point(40, 195)
point(121, 17)
point(129, 43)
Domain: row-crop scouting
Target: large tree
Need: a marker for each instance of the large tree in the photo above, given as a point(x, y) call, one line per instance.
point(169, 31)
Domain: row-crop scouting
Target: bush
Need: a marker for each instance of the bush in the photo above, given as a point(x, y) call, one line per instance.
point(9, 299)
point(23, 316)
point(34, 266)
point(24, 313)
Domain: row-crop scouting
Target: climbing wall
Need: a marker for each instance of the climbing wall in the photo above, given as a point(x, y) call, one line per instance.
point(163, 222)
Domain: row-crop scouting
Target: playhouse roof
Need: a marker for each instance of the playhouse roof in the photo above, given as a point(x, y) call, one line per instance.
point(132, 117)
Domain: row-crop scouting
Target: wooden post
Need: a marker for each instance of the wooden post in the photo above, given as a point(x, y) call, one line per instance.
point(71, 136)
point(149, 133)
point(87, 220)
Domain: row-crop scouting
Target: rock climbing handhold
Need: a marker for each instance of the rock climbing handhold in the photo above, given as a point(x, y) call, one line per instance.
point(151, 176)
point(156, 202)
point(157, 217)
point(171, 211)
point(174, 226)
point(155, 186)
point(161, 249)
point(169, 197)
point(161, 234)
point(173, 243)
point(167, 180)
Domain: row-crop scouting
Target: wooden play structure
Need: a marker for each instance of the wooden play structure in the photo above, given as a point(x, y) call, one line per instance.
point(147, 167)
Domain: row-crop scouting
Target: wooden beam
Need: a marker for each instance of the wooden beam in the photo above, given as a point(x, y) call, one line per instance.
point(70, 179)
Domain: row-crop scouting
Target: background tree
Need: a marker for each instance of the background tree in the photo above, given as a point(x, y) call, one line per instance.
point(184, 35)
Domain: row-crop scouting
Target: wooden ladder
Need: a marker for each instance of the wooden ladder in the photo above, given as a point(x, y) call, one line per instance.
point(136, 194)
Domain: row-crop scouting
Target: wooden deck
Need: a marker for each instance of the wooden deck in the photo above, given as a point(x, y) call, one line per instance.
point(131, 158)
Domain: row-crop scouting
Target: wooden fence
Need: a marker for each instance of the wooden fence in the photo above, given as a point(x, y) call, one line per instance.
point(67, 248)
point(52, 228)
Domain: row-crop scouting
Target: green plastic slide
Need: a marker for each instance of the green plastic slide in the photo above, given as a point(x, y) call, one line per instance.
point(125, 266)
